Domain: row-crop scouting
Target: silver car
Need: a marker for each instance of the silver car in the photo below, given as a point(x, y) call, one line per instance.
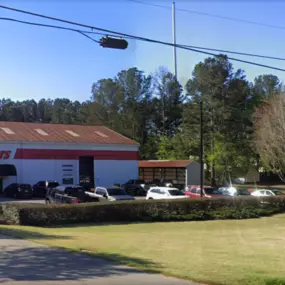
point(112, 193)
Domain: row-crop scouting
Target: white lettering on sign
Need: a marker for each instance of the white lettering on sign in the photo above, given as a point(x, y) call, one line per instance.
point(5, 154)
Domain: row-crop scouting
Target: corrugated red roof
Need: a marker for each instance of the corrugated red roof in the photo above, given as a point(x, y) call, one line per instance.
point(164, 163)
point(39, 132)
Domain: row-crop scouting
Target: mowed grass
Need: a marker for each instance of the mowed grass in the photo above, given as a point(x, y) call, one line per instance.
point(213, 252)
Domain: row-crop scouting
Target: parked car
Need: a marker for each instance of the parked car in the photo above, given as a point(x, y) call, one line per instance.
point(139, 182)
point(110, 194)
point(164, 193)
point(135, 187)
point(208, 192)
point(266, 192)
point(162, 183)
point(189, 187)
point(232, 191)
point(68, 194)
point(17, 190)
point(40, 188)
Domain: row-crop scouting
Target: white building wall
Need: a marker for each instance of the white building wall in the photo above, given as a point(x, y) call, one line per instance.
point(193, 173)
point(31, 171)
point(107, 172)
point(110, 172)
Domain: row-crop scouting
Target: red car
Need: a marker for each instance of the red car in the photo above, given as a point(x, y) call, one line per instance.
point(194, 191)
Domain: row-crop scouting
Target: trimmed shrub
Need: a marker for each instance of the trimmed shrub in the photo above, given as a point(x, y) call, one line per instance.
point(142, 211)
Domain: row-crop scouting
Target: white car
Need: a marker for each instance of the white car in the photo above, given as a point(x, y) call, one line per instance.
point(164, 193)
point(266, 192)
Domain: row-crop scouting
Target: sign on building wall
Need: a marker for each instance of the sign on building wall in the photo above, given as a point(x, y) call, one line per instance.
point(5, 154)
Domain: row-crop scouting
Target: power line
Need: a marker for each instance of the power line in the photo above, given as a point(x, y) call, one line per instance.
point(137, 37)
point(211, 15)
point(237, 53)
point(55, 27)
point(84, 32)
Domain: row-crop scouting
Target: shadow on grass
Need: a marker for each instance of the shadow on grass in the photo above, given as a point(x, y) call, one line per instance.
point(32, 262)
point(25, 234)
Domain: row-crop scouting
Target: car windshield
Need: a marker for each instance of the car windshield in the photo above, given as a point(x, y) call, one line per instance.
point(74, 191)
point(175, 192)
point(116, 191)
point(278, 193)
point(26, 186)
point(212, 191)
point(53, 184)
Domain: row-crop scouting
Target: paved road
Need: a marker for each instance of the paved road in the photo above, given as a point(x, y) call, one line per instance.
point(22, 262)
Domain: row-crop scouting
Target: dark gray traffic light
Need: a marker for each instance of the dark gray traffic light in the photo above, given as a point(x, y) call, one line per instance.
point(108, 42)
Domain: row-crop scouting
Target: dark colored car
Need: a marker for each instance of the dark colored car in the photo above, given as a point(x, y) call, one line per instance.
point(164, 183)
point(40, 188)
point(68, 194)
point(238, 192)
point(135, 187)
point(17, 190)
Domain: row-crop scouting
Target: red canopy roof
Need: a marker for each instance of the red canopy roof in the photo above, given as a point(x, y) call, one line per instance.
point(164, 163)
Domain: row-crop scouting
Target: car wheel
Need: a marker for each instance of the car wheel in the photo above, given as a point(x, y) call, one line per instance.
point(150, 198)
point(47, 201)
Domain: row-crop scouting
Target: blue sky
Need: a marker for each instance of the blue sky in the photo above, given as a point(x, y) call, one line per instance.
point(46, 63)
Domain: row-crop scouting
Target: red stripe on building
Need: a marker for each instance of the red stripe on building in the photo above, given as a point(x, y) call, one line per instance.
point(75, 154)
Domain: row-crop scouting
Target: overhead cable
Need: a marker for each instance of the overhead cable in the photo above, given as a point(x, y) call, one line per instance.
point(137, 37)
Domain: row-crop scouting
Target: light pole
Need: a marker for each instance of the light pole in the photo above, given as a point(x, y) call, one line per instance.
point(201, 148)
point(174, 39)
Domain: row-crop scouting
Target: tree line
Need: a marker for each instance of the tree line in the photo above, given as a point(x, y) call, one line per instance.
point(163, 116)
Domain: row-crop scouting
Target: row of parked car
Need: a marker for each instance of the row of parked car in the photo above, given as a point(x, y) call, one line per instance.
point(55, 193)
point(194, 191)
point(19, 190)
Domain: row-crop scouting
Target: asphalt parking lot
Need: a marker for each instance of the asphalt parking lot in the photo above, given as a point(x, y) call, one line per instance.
point(36, 200)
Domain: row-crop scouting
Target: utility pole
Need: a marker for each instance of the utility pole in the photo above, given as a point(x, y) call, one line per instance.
point(174, 39)
point(201, 148)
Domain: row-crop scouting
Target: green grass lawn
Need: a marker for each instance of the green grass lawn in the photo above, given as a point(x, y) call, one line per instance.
point(214, 252)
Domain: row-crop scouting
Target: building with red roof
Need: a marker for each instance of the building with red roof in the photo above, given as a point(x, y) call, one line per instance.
point(180, 172)
point(68, 154)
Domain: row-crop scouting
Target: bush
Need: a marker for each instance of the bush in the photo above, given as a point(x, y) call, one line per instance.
point(142, 211)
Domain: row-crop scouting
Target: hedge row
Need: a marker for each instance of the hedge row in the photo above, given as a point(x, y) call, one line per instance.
point(142, 210)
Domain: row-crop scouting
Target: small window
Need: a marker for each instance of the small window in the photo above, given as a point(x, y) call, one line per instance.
point(8, 131)
point(52, 184)
point(67, 180)
point(42, 183)
point(269, 193)
point(101, 134)
point(72, 133)
point(194, 190)
point(198, 191)
point(100, 191)
point(41, 132)
point(262, 192)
